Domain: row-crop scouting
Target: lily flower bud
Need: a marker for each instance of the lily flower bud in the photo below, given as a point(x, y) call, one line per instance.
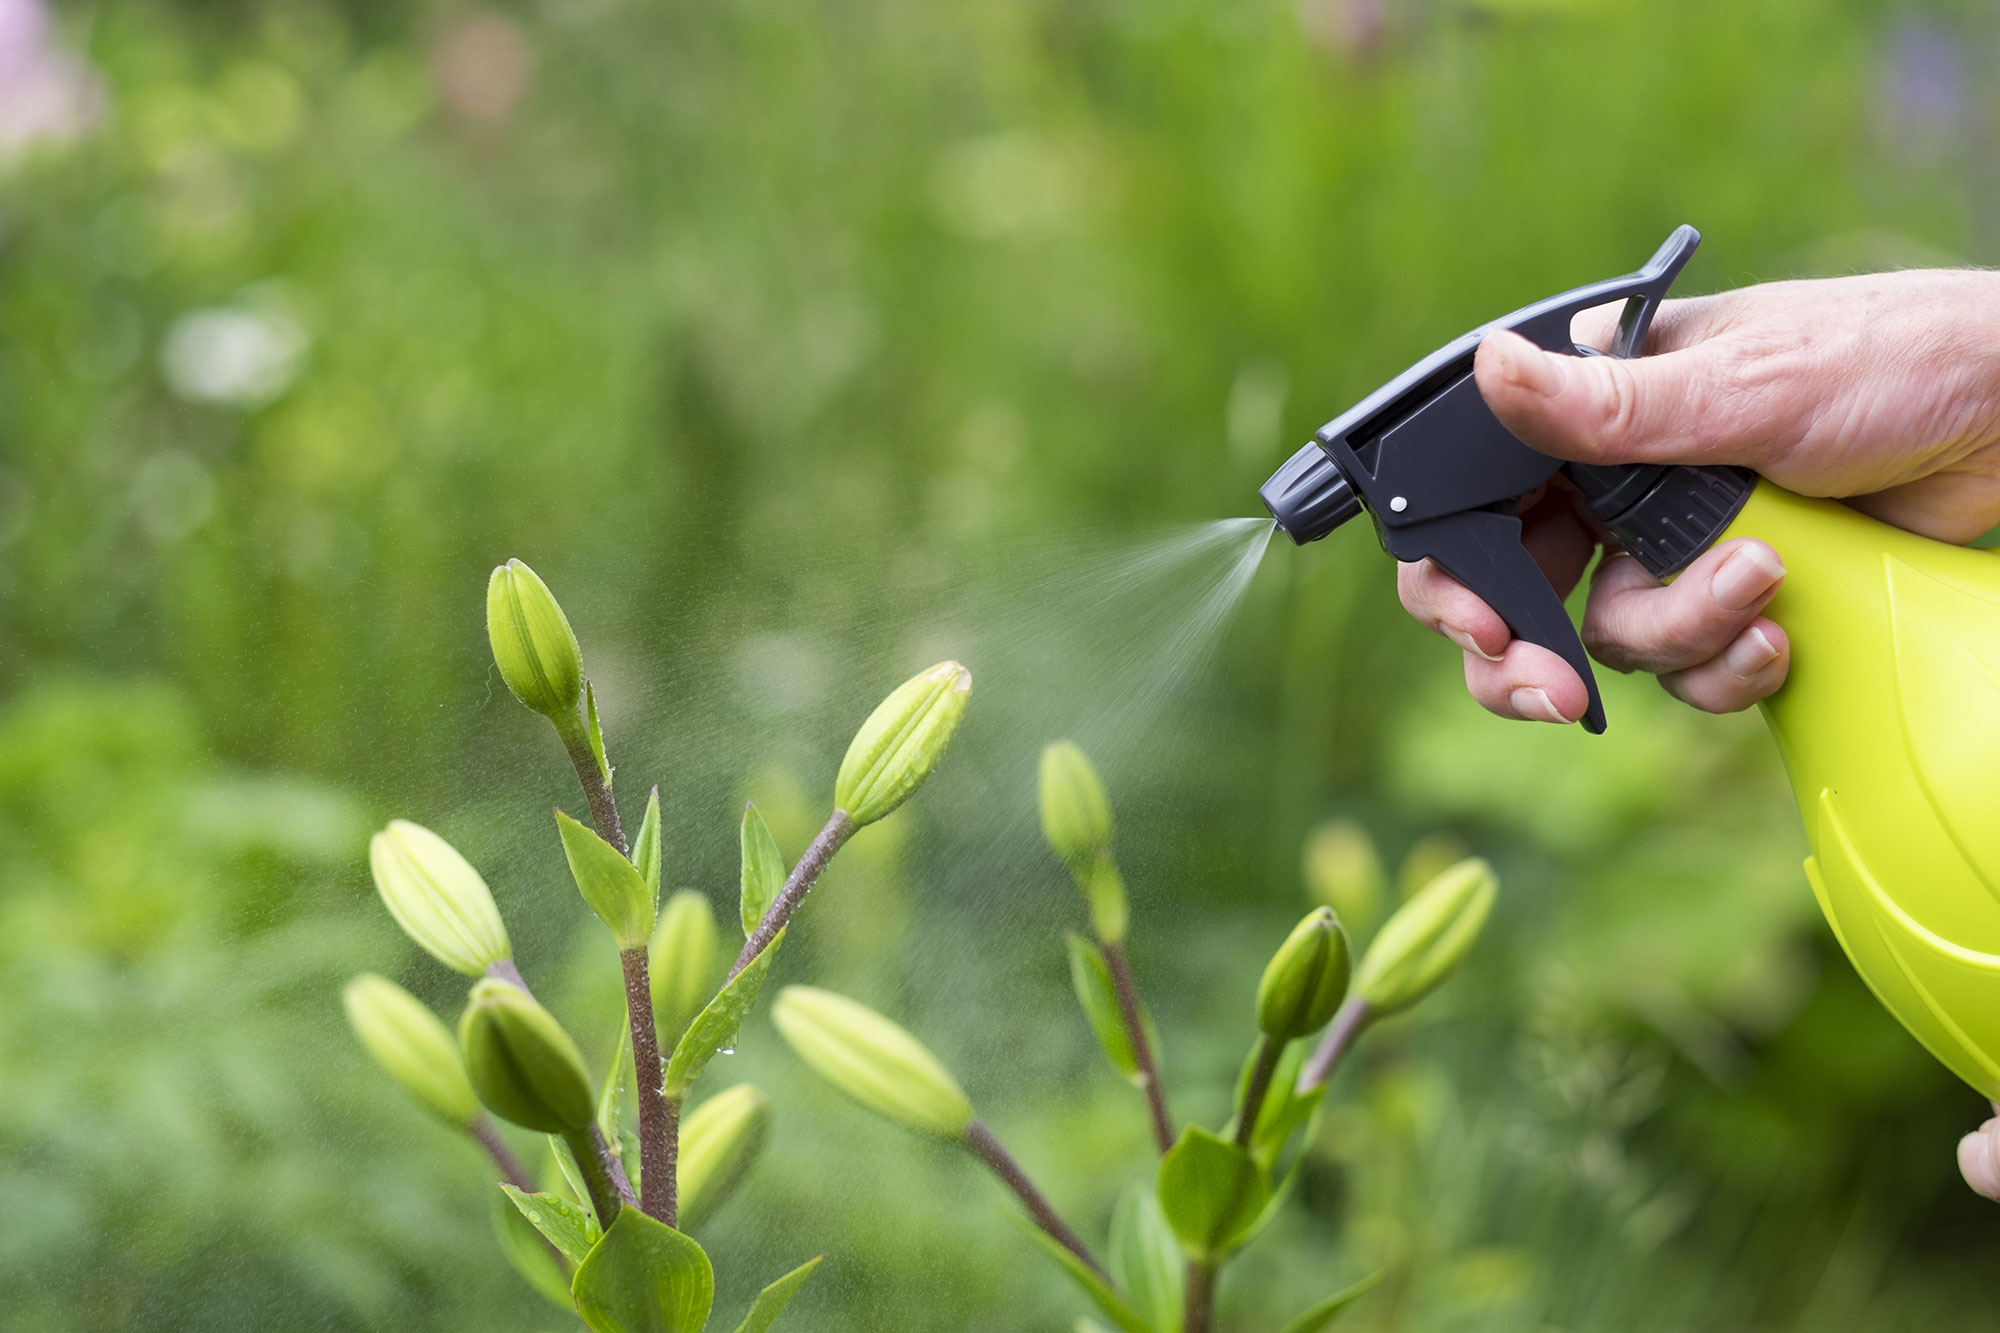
point(1427, 938)
point(1104, 890)
point(412, 1045)
point(1344, 871)
point(437, 898)
point(533, 644)
point(1306, 979)
point(522, 1064)
point(681, 961)
point(901, 742)
point(1428, 857)
point(1076, 817)
point(720, 1141)
point(872, 1060)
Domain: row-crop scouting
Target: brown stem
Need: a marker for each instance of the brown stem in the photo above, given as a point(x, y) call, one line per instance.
point(503, 969)
point(1142, 1048)
point(601, 1179)
point(1266, 1063)
point(1348, 1025)
point(838, 829)
point(596, 791)
point(980, 1142)
point(488, 1137)
point(659, 1130)
point(1199, 1304)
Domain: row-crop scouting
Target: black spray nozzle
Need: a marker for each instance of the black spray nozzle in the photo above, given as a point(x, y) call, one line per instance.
point(1442, 478)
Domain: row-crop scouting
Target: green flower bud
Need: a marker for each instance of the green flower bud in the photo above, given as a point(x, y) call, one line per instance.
point(411, 1044)
point(1427, 938)
point(521, 1063)
point(1428, 857)
point(1076, 817)
point(1104, 889)
point(437, 897)
point(1306, 979)
point(901, 742)
point(1343, 871)
point(681, 962)
point(533, 644)
point(720, 1141)
point(871, 1060)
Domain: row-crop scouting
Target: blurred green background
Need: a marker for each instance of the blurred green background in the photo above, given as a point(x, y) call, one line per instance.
point(799, 345)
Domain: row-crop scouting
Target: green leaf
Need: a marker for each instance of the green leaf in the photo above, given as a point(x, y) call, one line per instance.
point(525, 1253)
point(715, 1027)
point(609, 883)
point(763, 869)
point(1211, 1191)
point(572, 1175)
point(1284, 1110)
point(771, 1301)
point(646, 847)
point(1098, 997)
point(567, 1226)
point(643, 1276)
point(1102, 1294)
point(610, 1097)
point(1146, 1258)
point(1316, 1317)
point(595, 732)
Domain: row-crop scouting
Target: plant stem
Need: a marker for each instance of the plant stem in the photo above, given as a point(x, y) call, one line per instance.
point(1142, 1048)
point(1199, 1300)
point(658, 1129)
point(1348, 1025)
point(503, 969)
point(1268, 1053)
point(596, 791)
point(488, 1137)
point(980, 1142)
point(839, 827)
point(607, 1191)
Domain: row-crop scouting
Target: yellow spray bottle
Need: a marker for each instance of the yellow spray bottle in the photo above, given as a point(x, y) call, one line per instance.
point(1889, 720)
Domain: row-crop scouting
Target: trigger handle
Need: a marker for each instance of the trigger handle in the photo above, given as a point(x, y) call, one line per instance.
point(1546, 323)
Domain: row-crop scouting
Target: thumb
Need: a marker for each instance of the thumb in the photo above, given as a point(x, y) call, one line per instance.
point(1599, 409)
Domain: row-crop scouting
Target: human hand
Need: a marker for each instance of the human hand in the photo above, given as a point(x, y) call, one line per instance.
point(1881, 390)
point(1979, 1156)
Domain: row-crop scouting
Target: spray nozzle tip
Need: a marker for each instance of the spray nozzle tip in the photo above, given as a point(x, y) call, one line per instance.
point(1309, 496)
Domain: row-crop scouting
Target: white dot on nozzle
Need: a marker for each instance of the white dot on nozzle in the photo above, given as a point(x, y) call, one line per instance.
point(1399, 504)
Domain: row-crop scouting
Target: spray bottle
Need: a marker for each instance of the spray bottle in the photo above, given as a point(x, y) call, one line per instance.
point(1889, 720)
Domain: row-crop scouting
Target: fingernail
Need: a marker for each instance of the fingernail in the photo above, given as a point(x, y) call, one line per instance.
point(1465, 641)
point(1529, 366)
point(1745, 576)
point(1976, 1162)
point(1536, 706)
point(1751, 653)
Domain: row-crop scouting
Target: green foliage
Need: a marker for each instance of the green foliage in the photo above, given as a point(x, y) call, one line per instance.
point(1322, 1313)
point(1107, 1298)
point(1211, 1191)
point(567, 1227)
point(763, 869)
point(1097, 996)
point(714, 1029)
point(643, 1276)
point(615, 889)
point(772, 1300)
point(1146, 1258)
point(520, 1233)
point(646, 847)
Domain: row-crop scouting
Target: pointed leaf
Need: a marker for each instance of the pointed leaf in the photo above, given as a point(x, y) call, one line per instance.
point(572, 1175)
point(609, 883)
point(611, 1097)
point(714, 1029)
point(644, 1277)
point(1212, 1192)
point(1102, 1294)
point(763, 869)
point(646, 847)
point(1146, 1258)
point(522, 1247)
point(1284, 1110)
point(1317, 1316)
point(595, 732)
point(567, 1226)
point(1097, 995)
point(771, 1301)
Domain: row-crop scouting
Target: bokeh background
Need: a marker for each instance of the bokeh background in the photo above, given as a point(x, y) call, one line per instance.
point(799, 345)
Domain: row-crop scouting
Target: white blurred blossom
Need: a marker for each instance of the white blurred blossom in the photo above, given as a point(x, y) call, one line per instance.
point(242, 355)
point(47, 95)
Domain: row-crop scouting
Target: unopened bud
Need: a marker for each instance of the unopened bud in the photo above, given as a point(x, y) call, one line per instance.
point(1343, 871)
point(1428, 857)
point(437, 897)
point(412, 1045)
point(533, 644)
point(1427, 938)
point(872, 1060)
point(612, 885)
point(901, 742)
point(1076, 817)
point(720, 1141)
point(681, 961)
point(1104, 890)
point(522, 1064)
point(1306, 979)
